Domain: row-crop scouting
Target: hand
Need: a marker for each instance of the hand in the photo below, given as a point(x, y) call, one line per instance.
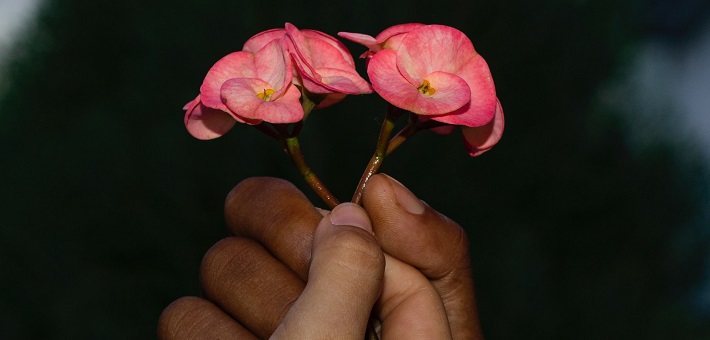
point(258, 278)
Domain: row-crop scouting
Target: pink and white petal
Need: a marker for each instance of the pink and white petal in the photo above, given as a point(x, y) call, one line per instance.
point(481, 139)
point(483, 96)
point(233, 65)
point(286, 109)
point(304, 70)
point(451, 93)
point(392, 37)
point(386, 79)
point(341, 81)
point(362, 39)
point(338, 81)
point(319, 53)
point(299, 45)
point(433, 48)
point(315, 86)
point(204, 123)
point(396, 30)
point(260, 40)
point(274, 66)
point(191, 104)
point(344, 52)
point(388, 82)
point(239, 95)
point(391, 85)
point(325, 55)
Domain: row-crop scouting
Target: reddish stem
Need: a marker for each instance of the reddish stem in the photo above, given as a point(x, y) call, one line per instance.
point(293, 149)
point(380, 152)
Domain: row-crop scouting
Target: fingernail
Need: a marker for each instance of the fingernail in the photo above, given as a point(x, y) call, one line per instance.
point(351, 214)
point(406, 198)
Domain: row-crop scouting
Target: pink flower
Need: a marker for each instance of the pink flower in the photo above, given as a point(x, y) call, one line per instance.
point(249, 87)
point(323, 65)
point(434, 71)
point(431, 70)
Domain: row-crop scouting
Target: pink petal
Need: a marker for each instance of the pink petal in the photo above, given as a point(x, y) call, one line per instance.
point(234, 65)
point(362, 39)
point(433, 48)
point(204, 123)
point(396, 30)
point(344, 52)
point(317, 58)
point(387, 39)
point(260, 40)
point(483, 90)
point(318, 53)
point(451, 91)
point(388, 82)
point(481, 139)
point(300, 51)
point(240, 95)
point(274, 66)
point(335, 81)
point(392, 37)
point(286, 109)
point(305, 70)
point(482, 107)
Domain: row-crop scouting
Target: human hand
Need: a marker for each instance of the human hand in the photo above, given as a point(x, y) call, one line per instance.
point(254, 283)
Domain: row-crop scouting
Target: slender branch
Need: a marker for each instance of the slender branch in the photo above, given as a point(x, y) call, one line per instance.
point(308, 106)
point(413, 127)
point(380, 152)
point(293, 149)
point(401, 137)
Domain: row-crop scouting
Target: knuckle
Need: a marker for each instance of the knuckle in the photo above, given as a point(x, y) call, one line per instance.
point(355, 250)
point(229, 257)
point(256, 186)
point(177, 315)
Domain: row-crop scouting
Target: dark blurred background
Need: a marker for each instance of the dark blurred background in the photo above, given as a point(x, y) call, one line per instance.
point(590, 219)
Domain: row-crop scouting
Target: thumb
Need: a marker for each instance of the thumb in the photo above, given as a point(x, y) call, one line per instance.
point(344, 280)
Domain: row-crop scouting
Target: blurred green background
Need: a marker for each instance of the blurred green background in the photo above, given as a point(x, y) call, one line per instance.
point(590, 220)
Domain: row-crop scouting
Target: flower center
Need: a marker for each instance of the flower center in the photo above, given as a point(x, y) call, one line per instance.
point(426, 88)
point(266, 95)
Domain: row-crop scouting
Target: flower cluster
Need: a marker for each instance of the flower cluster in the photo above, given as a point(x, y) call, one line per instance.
point(430, 72)
point(276, 72)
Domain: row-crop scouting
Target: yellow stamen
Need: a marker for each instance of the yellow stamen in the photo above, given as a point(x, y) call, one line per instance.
point(266, 95)
point(426, 88)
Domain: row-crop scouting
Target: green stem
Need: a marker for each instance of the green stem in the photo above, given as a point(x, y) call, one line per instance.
point(293, 149)
point(380, 152)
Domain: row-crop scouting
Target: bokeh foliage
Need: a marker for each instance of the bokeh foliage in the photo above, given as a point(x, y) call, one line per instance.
point(108, 204)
